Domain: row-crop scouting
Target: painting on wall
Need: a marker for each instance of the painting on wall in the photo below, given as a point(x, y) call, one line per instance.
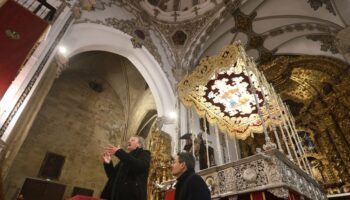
point(51, 166)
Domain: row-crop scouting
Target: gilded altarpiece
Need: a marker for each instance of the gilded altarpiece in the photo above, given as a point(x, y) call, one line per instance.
point(230, 92)
point(316, 88)
point(160, 170)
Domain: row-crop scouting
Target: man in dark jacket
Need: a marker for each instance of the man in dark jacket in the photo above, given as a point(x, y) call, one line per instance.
point(189, 185)
point(128, 179)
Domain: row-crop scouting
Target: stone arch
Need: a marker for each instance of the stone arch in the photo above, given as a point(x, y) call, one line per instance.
point(87, 37)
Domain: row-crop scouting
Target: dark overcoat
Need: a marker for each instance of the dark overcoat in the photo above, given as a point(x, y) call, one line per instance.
point(128, 179)
point(191, 186)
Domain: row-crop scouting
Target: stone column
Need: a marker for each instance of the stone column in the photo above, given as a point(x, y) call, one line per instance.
point(28, 115)
point(179, 73)
point(61, 64)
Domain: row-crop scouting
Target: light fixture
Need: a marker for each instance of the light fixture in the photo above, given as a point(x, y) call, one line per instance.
point(172, 116)
point(62, 50)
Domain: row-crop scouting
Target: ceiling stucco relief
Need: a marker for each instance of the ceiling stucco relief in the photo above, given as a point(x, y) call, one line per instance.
point(196, 31)
point(328, 42)
point(179, 10)
point(269, 26)
point(139, 33)
point(316, 4)
point(136, 25)
point(299, 8)
point(244, 24)
point(343, 40)
point(277, 28)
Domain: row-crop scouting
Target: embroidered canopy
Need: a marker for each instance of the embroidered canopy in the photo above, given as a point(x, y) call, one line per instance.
point(226, 90)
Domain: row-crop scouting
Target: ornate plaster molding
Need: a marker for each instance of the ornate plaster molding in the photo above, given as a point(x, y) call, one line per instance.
point(271, 171)
point(316, 4)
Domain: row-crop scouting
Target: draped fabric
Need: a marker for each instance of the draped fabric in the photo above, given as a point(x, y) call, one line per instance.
point(20, 30)
point(258, 195)
point(81, 197)
point(293, 196)
point(226, 91)
point(170, 195)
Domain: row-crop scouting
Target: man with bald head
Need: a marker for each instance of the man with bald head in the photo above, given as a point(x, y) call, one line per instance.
point(128, 179)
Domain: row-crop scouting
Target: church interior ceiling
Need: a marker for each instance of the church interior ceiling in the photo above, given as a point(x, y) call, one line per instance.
point(299, 46)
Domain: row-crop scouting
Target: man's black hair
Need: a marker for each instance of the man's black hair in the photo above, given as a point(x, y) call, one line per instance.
point(187, 158)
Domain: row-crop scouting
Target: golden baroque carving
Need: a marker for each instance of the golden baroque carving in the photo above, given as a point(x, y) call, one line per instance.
point(206, 80)
point(160, 170)
point(322, 85)
point(302, 77)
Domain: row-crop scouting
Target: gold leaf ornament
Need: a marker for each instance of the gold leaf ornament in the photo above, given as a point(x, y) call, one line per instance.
point(12, 34)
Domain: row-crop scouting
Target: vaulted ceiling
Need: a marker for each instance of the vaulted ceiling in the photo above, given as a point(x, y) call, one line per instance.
point(295, 42)
point(302, 46)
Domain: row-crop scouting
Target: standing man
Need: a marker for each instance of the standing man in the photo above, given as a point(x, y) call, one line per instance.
point(128, 179)
point(189, 185)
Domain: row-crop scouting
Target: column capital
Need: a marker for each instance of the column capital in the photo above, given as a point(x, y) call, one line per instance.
point(62, 63)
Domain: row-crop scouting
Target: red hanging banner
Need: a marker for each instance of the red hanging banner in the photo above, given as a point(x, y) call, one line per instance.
point(257, 195)
point(20, 30)
point(82, 197)
point(293, 196)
